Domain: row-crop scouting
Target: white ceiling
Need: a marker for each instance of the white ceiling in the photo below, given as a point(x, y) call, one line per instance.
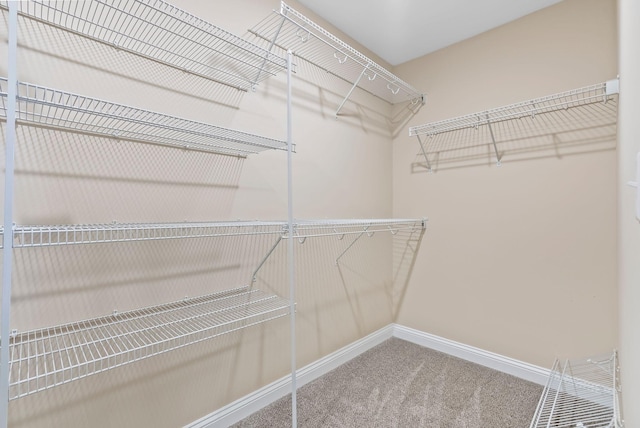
point(401, 30)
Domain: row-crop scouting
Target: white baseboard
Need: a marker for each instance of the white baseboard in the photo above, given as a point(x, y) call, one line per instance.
point(479, 356)
point(255, 401)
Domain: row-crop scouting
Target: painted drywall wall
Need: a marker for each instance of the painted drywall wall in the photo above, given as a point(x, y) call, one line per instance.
point(628, 224)
point(341, 169)
point(518, 259)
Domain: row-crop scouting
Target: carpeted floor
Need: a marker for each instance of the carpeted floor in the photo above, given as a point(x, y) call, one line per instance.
point(399, 384)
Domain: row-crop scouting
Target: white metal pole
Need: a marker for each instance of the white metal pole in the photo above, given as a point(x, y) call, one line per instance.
point(7, 253)
point(291, 259)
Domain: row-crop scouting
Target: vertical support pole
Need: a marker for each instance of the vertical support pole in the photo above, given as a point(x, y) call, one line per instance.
point(291, 259)
point(350, 91)
point(7, 253)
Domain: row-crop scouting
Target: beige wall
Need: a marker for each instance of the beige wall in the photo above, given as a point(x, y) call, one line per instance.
point(518, 259)
point(341, 170)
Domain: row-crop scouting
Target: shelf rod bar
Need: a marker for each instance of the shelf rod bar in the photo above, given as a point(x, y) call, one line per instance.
point(255, 272)
point(290, 248)
point(493, 140)
point(7, 253)
point(355, 85)
point(424, 153)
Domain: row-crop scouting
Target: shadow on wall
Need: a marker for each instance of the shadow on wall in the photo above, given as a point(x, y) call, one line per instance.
point(44, 47)
point(565, 132)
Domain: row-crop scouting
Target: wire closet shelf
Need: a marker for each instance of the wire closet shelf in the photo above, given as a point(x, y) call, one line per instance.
point(52, 108)
point(47, 357)
point(573, 110)
point(29, 236)
point(163, 33)
point(581, 394)
point(44, 358)
point(288, 29)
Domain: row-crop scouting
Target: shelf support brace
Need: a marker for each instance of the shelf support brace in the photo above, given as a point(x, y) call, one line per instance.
point(424, 153)
point(364, 71)
point(349, 247)
point(493, 140)
point(264, 62)
point(264, 259)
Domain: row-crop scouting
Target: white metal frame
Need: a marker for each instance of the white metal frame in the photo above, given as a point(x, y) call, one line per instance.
point(581, 394)
point(289, 29)
point(160, 32)
point(594, 98)
point(41, 106)
point(35, 360)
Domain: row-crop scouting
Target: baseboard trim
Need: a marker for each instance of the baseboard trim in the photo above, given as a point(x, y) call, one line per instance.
point(479, 356)
point(262, 397)
point(245, 406)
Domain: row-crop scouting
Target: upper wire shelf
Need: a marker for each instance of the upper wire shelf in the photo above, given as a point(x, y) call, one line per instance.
point(288, 29)
point(42, 106)
point(581, 108)
point(56, 235)
point(44, 358)
point(161, 32)
point(580, 394)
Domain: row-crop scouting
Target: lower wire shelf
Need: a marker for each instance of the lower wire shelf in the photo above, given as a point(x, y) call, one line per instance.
point(44, 358)
point(581, 394)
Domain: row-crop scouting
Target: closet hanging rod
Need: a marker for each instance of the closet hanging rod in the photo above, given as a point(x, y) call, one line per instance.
point(47, 357)
point(290, 29)
point(564, 100)
point(51, 108)
point(161, 32)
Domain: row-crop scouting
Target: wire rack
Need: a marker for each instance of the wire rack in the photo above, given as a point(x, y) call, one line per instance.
point(161, 32)
point(46, 236)
point(288, 29)
point(27, 236)
point(581, 394)
point(579, 109)
point(41, 359)
point(340, 228)
point(42, 106)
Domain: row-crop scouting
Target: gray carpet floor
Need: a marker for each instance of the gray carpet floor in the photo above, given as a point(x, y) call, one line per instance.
point(400, 384)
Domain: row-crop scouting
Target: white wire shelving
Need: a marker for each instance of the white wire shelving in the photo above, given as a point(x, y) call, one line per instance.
point(288, 29)
point(52, 108)
point(163, 33)
point(30, 236)
point(581, 394)
point(51, 356)
point(577, 109)
point(44, 358)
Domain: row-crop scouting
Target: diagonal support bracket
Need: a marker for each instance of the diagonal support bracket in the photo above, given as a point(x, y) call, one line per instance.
point(364, 71)
point(264, 259)
point(493, 140)
point(424, 153)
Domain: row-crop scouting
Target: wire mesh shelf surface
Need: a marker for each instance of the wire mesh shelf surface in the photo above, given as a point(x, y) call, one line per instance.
point(46, 236)
point(42, 106)
point(26, 236)
point(581, 394)
point(44, 358)
point(550, 118)
point(161, 32)
point(289, 29)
